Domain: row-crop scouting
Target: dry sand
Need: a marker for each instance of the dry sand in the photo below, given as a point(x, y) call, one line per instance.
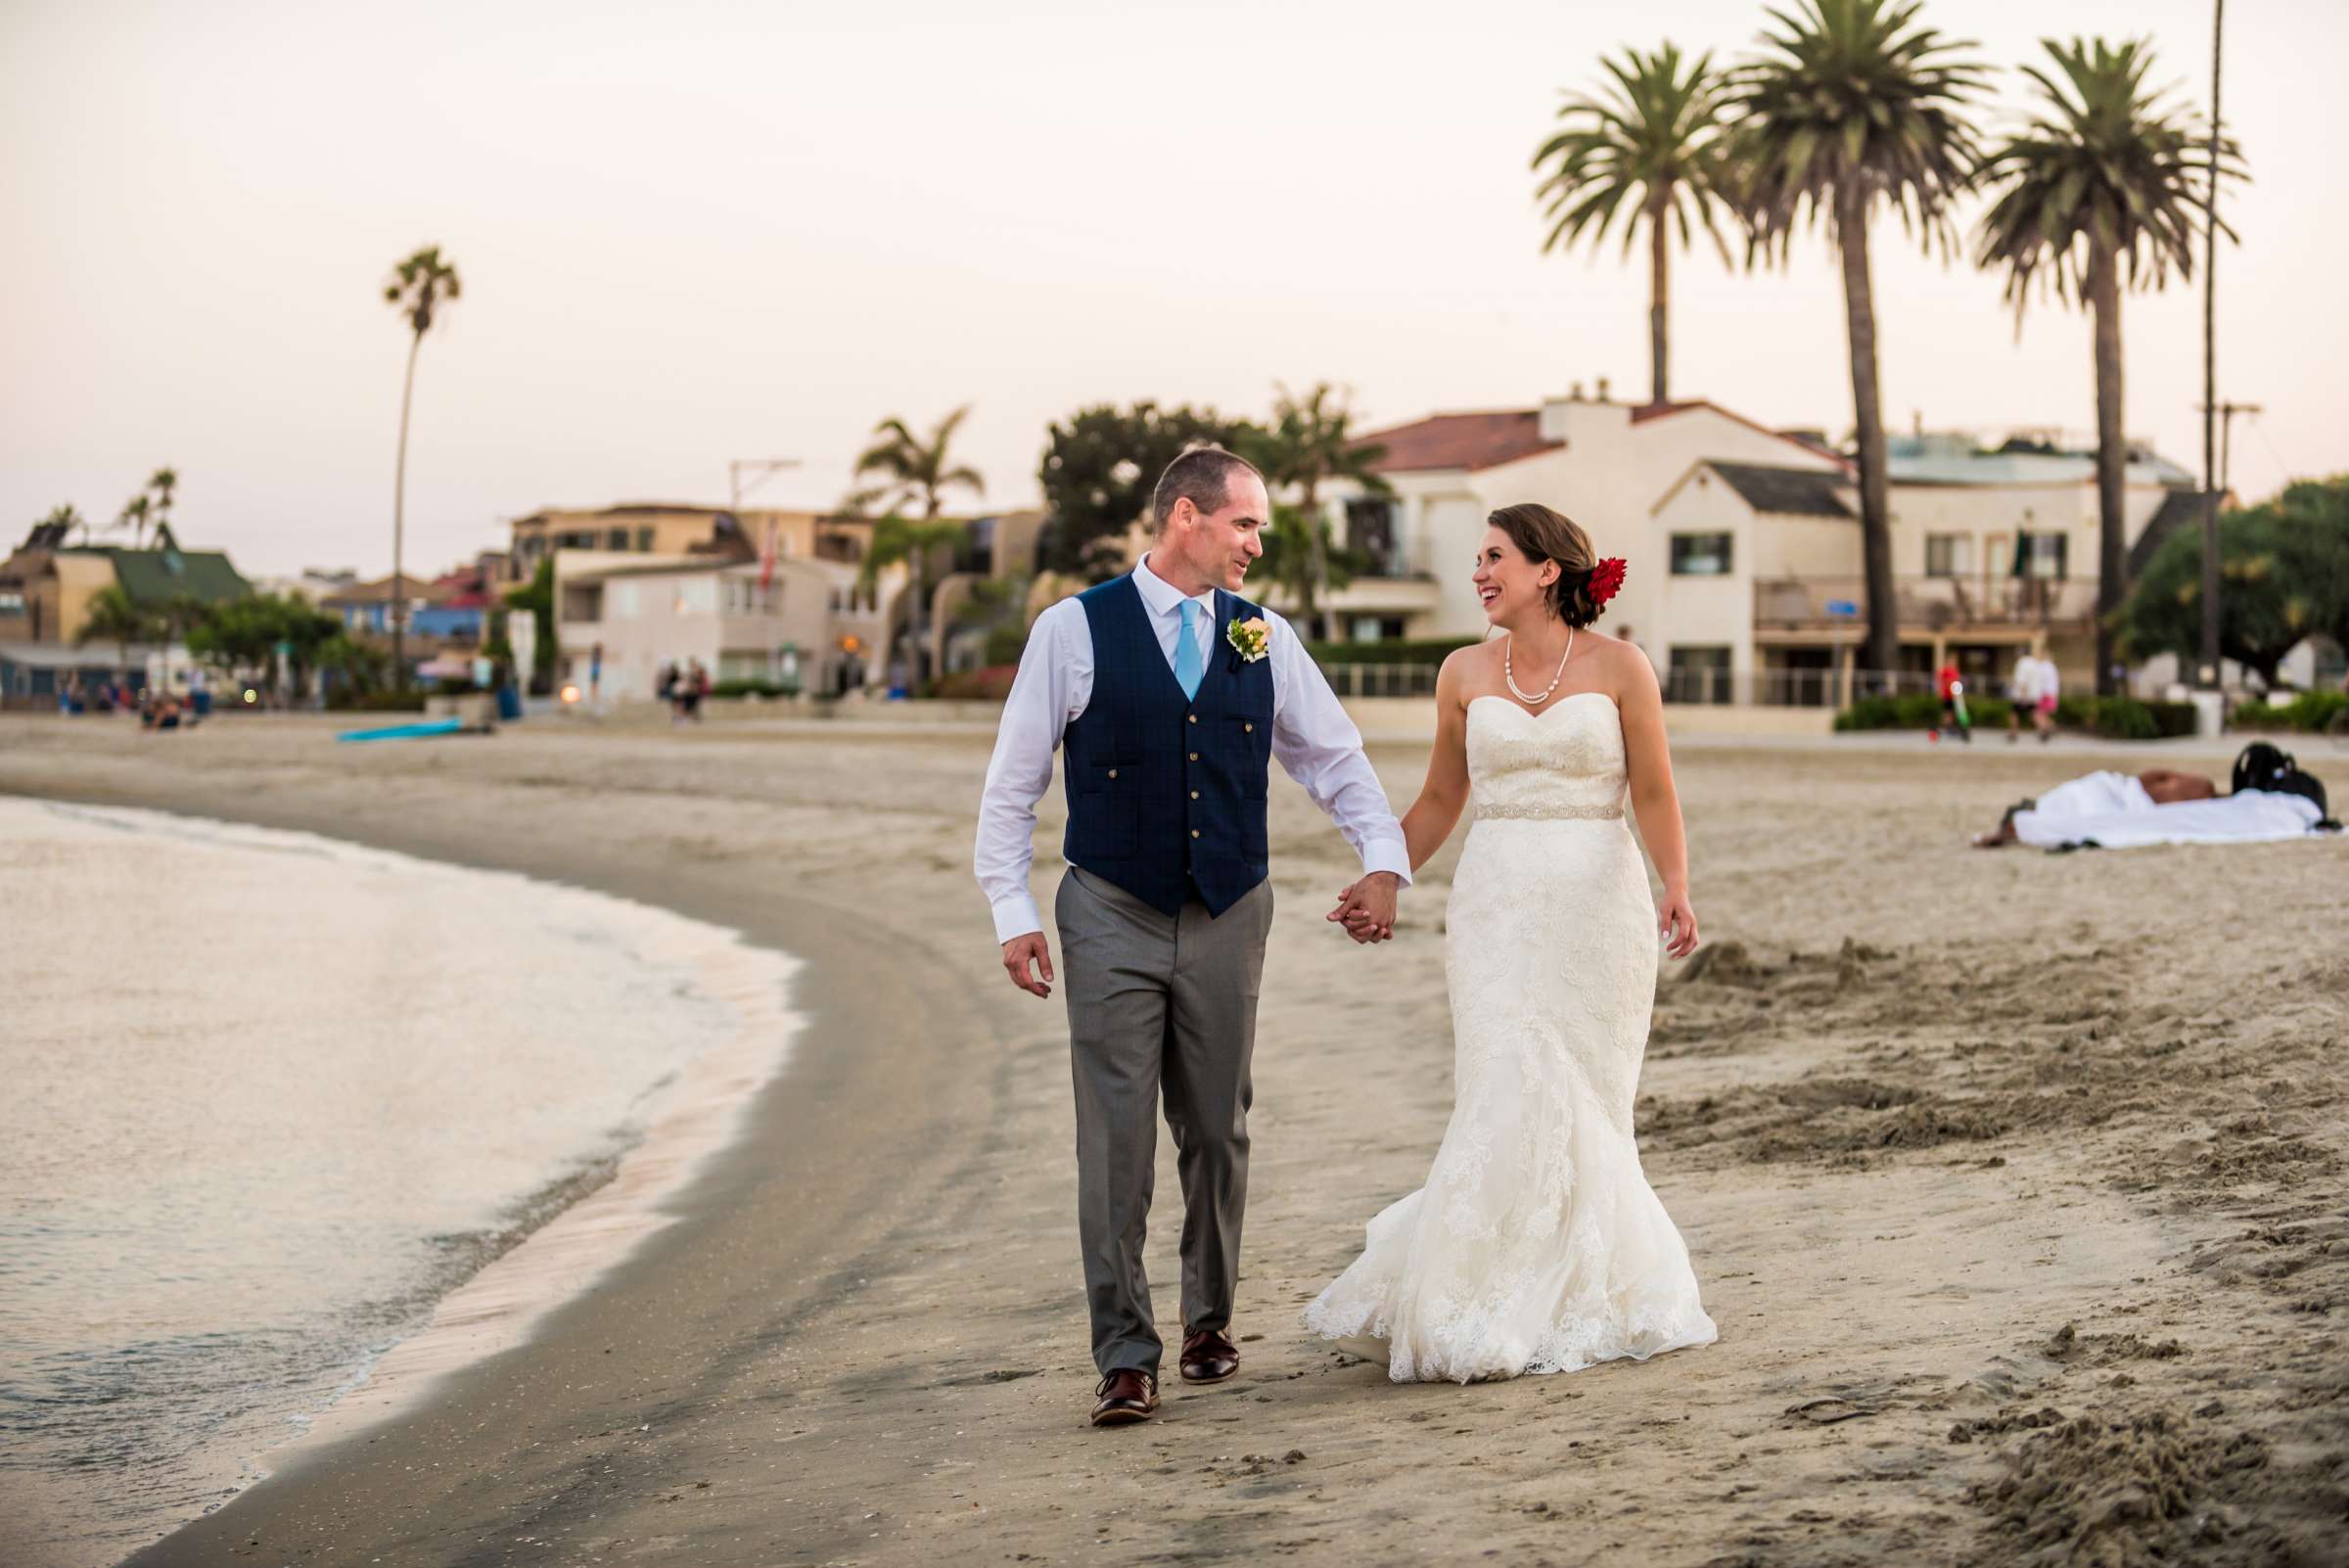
point(2014, 1182)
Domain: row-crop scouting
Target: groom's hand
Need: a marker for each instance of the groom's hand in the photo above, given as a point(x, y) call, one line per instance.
point(1022, 951)
point(1367, 910)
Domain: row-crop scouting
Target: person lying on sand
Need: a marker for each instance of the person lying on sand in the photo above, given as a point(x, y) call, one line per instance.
point(2159, 806)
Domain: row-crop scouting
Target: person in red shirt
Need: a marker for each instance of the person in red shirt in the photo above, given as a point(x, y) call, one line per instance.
point(1950, 684)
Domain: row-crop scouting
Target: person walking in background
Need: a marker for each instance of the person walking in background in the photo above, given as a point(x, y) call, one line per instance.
point(2050, 686)
point(2022, 691)
point(596, 677)
point(1950, 684)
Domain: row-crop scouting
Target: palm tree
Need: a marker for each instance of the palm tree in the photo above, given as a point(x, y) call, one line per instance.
point(134, 516)
point(918, 473)
point(113, 615)
point(1854, 103)
point(1309, 443)
point(420, 288)
point(1649, 150)
point(912, 469)
point(2097, 190)
point(165, 481)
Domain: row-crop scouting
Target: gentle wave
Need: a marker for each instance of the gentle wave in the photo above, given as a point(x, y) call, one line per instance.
point(294, 1126)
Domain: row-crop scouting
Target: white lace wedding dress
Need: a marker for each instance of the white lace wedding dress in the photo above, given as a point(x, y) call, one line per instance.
point(1537, 1245)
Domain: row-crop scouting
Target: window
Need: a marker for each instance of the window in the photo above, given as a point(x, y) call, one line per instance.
point(12, 603)
point(1700, 555)
point(644, 540)
point(1370, 529)
point(1698, 676)
point(615, 538)
point(696, 596)
point(1949, 555)
point(2041, 555)
point(1375, 628)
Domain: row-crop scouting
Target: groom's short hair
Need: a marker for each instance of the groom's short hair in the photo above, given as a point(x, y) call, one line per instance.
point(1203, 475)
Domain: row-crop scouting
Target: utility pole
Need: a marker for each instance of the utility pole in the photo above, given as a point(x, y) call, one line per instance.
point(762, 469)
point(2227, 413)
point(2209, 671)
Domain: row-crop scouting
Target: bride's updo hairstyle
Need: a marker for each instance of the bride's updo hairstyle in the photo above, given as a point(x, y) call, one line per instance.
point(1542, 535)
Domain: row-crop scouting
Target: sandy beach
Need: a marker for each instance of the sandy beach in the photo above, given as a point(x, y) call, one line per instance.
point(2013, 1182)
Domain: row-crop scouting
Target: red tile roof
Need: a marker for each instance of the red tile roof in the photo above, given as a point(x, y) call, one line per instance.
point(1459, 440)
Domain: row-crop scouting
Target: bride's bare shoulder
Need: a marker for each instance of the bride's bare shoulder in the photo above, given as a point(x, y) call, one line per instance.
point(1623, 666)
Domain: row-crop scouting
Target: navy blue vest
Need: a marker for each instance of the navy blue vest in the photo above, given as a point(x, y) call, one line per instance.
point(1167, 793)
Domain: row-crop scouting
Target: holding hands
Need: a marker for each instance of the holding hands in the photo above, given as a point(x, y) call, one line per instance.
point(1367, 910)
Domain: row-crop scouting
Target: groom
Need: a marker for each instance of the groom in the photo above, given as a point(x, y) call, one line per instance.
point(1168, 694)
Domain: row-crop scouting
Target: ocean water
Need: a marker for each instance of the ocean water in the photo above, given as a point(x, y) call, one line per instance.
point(267, 1099)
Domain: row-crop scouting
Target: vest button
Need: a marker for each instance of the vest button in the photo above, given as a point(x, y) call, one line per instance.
point(1193, 718)
point(1248, 729)
point(1194, 756)
point(1194, 833)
point(1194, 795)
point(1113, 772)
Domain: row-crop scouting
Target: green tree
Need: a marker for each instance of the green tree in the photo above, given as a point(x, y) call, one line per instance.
point(1855, 105)
point(1098, 470)
point(538, 596)
point(1310, 442)
point(115, 617)
point(914, 541)
point(164, 487)
point(1289, 559)
point(65, 518)
point(421, 289)
point(1647, 148)
point(2097, 191)
point(2273, 585)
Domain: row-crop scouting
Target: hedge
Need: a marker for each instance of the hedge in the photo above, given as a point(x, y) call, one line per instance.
point(1432, 652)
point(753, 688)
point(990, 684)
point(2310, 713)
point(2113, 718)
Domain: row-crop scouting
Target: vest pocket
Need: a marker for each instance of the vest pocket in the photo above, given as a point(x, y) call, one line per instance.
point(1110, 795)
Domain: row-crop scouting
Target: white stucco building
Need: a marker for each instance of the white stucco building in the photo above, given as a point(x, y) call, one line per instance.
point(1746, 580)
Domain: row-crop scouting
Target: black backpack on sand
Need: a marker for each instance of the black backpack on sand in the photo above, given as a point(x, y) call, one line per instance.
point(2263, 766)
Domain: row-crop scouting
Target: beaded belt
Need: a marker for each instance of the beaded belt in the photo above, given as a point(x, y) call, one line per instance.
point(1551, 812)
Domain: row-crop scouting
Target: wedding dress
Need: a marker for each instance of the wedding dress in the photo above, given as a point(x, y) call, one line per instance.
point(1537, 1245)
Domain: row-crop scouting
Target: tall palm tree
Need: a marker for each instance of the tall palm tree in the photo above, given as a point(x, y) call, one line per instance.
point(164, 482)
point(420, 289)
point(2097, 190)
point(1649, 148)
point(914, 473)
point(134, 516)
point(1309, 442)
point(1853, 103)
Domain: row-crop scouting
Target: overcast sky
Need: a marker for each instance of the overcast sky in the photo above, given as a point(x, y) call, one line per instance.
point(696, 231)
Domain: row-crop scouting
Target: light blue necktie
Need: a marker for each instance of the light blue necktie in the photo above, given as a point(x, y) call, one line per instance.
point(1190, 665)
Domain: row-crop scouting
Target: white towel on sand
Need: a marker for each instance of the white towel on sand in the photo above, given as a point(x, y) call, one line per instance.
point(2114, 810)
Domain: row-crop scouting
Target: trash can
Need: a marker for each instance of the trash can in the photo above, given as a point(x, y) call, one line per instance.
point(509, 703)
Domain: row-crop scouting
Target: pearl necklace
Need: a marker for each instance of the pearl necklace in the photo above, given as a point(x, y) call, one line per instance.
point(1509, 670)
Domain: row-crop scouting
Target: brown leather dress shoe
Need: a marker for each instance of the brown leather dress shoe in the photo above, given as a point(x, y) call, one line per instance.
point(1125, 1397)
point(1208, 1357)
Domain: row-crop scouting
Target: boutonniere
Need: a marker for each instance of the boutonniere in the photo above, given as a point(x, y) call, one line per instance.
point(1251, 639)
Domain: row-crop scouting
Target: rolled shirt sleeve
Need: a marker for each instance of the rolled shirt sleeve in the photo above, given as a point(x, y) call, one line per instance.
point(1053, 684)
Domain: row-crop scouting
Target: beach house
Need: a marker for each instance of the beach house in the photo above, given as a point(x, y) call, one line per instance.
point(1742, 541)
point(48, 587)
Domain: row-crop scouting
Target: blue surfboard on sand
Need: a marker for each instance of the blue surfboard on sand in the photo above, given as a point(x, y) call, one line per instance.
point(418, 731)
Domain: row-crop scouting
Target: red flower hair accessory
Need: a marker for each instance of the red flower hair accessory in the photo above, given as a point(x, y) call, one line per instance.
point(1605, 579)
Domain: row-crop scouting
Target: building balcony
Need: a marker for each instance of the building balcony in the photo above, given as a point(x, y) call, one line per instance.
point(1945, 605)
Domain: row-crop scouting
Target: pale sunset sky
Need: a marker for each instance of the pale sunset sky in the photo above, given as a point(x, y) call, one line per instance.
point(695, 232)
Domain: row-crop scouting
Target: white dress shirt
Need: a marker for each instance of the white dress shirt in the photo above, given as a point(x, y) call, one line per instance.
point(1312, 739)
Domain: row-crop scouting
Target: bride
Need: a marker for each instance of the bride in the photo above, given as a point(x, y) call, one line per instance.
point(1537, 1244)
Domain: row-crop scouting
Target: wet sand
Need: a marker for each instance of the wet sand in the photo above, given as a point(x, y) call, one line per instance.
point(2013, 1181)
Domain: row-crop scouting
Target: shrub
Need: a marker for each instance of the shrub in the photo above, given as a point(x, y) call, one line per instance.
point(991, 684)
point(2126, 719)
point(752, 688)
point(376, 702)
point(2309, 712)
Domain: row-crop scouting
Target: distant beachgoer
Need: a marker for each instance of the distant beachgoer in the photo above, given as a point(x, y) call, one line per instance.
point(1948, 682)
point(2032, 690)
point(595, 676)
point(2117, 811)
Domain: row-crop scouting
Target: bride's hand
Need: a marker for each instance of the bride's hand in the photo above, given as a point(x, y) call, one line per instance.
point(1675, 923)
